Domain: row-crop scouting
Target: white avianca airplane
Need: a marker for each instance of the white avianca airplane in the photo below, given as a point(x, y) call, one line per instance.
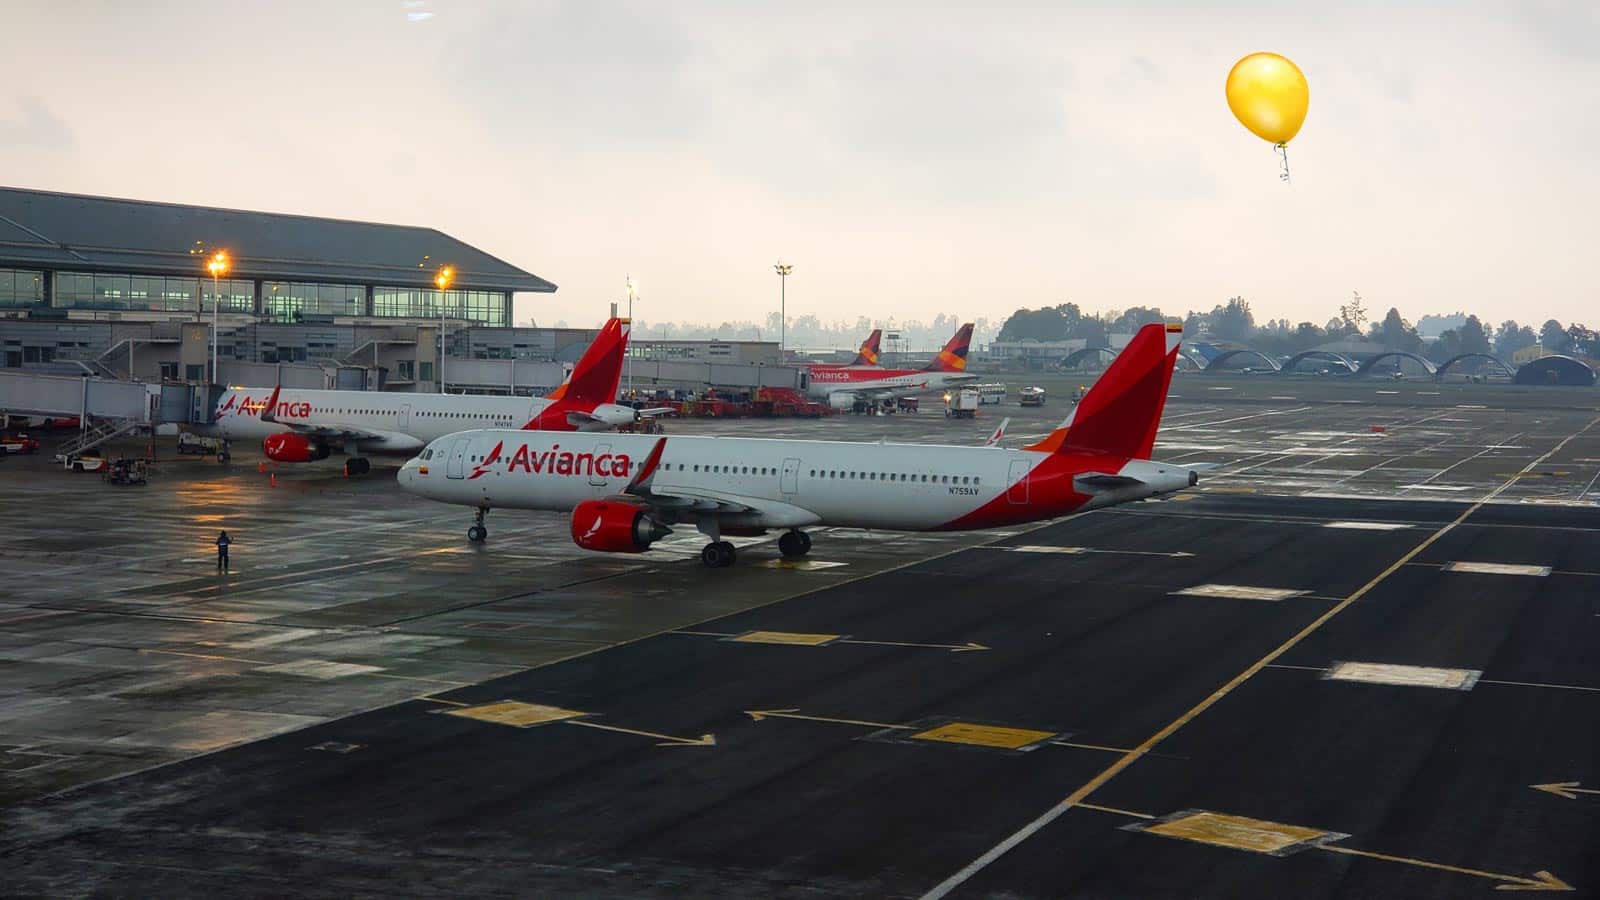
point(623, 492)
point(301, 426)
point(842, 386)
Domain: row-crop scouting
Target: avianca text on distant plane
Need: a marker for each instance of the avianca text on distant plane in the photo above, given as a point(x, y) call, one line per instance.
point(623, 492)
point(842, 386)
point(301, 426)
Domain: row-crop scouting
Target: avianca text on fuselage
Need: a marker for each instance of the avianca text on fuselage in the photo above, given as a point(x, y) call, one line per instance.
point(554, 461)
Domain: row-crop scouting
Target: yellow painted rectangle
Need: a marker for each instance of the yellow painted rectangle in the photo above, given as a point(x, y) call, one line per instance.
point(787, 637)
point(1237, 832)
point(984, 735)
point(515, 713)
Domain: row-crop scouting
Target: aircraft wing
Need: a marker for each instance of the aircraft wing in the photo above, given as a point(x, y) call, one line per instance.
point(677, 502)
point(653, 411)
point(334, 432)
point(269, 413)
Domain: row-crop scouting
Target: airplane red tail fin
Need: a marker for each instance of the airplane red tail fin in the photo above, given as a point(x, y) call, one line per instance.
point(1120, 414)
point(953, 358)
point(868, 354)
point(599, 371)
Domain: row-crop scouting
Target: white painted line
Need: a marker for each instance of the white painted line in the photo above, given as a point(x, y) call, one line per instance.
point(1240, 592)
point(1367, 526)
point(1435, 487)
point(1221, 389)
point(1388, 392)
point(1405, 676)
point(1488, 568)
point(1470, 406)
point(1283, 398)
point(1427, 393)
point(320, 668)
point(1041, 548)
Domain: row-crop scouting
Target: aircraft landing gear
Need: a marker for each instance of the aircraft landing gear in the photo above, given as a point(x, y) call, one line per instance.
point(478, 532)
point(357, 465)
point(717, 555)
point(794, 543)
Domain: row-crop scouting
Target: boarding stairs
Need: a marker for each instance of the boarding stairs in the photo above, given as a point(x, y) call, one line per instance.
point(98, 432)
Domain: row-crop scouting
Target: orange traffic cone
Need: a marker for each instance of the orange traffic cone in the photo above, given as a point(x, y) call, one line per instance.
point(272, 480)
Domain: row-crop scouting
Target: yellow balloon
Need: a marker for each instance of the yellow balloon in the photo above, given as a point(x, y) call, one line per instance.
point(1269, 95)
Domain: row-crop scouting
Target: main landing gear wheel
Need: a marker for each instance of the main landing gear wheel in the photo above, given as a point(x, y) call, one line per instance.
point(718, 555)
point(357, 465)
point(794, 543)
point(478, 532)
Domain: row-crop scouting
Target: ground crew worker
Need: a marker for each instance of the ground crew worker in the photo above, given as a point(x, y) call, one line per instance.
point(222, 551)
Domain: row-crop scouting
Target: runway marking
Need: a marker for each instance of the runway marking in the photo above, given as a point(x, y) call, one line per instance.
point(1567, 789)
point(1240, 592)
point(518, 714)
point(1435, 487)
point(1367, 526)
point(1541, 880)
point(785, 637)
point(1237, 832)
point(759, 715)
point(667, 740)
point(515, 713)
point(806, 565)
point(997, 736)
point(1404, 676)
point(1488, 568)
point(1074, 551)
point(1559, 687)
point(961, 876)
point(803, 639)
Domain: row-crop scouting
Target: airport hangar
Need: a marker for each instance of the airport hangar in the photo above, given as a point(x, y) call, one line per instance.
point(103, 286)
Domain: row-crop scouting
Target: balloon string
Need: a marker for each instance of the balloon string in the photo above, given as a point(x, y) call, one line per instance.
point(1283, 160)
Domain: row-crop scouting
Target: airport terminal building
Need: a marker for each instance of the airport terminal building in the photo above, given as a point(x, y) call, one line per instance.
point(120, 288)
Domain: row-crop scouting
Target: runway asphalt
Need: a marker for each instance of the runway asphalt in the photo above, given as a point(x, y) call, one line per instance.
point(1356, 663)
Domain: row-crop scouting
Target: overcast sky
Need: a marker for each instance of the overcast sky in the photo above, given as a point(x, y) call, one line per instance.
point(907, 158)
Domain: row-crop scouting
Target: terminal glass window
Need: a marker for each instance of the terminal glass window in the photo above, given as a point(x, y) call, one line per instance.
point(81, 290)
point(483, 307)
point(291, 301)
point(238, 295)
point(21, 288)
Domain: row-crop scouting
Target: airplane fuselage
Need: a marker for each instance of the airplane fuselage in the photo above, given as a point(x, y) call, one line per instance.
point(401, 423)
point(782, 483)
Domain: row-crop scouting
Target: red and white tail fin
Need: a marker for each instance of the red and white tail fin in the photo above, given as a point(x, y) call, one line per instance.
point(1120, 414)
point(868, 354)
point(599, 371)
point(953, 358)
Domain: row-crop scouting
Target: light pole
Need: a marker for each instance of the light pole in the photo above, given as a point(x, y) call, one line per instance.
point(217, 266)
point(632, 290)
point(783, 271)
point(442, 279)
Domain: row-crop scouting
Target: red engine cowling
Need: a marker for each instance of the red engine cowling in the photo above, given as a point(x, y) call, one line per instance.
point(288, 446)
point(613, 527)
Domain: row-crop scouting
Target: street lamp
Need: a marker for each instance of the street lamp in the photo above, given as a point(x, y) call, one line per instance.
point(442, 279)
point(218, 267)
point(783, 271)
point(633, 289)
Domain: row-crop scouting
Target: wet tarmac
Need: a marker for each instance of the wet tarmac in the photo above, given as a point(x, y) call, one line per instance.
point(1359, 661)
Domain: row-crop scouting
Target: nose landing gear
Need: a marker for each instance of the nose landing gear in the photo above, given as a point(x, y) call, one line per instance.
point(478, 532)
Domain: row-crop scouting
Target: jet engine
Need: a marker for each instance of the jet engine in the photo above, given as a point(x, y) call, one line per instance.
point(289, 446)
point(613, 527)
point(842, 400)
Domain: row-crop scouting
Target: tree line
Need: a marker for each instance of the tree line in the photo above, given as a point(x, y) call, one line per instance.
point(1234, 322)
